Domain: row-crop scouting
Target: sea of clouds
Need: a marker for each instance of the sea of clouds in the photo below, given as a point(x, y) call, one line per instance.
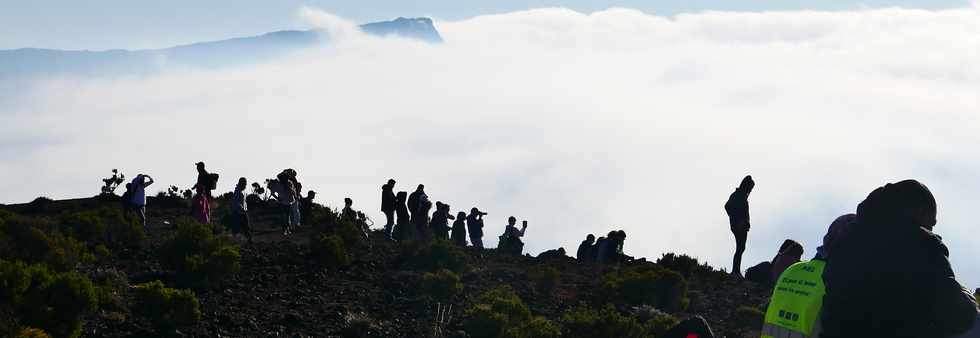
point(577, 122)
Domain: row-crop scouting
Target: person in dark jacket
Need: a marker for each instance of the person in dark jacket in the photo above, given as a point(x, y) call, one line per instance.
point(421, 219)
point(402, 224)
point(415, 201)
point(306, 207)
point(584, 253)
point(440, 221)
point(459, 229)
point(890, 276)
point(474, 223)
point(737, 208)
point(388, 206)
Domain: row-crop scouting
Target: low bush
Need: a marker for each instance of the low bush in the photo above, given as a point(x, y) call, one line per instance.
point(54, 302)
point(39, 205)
point(538, 327)
point(433, 256)
point(585, 322)
point(544, 279)
point(689, 267)
point(330, 251)
point(748, 317)
point(199, 257)
point(111, 288)
point(442, 285)
point(38, 240)
point(166, 308)
point(104, 226)
point(649, 284)
point(496, 313)
point(31, 332)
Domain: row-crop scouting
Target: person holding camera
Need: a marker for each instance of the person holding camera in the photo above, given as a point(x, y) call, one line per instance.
point(474, 223)
point(510, 241)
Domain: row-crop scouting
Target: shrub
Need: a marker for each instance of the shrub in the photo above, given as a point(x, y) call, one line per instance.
point(538, 327)
point(329, 251)
point(495, 313)
point(111, 287)
point(441, 285)
point(105, 226)
point(199, 257)
point(748, 317)
point(689, 267)
point(40, 298)
point(650, 285)
point(545, 279)
point(358, 325)
point(166, 308)
point(38, 240)
point(432, 256)
point(585, 322)
point(39, 205)
point(31, 332)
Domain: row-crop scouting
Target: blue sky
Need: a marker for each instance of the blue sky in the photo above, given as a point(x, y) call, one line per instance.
point(69, 24)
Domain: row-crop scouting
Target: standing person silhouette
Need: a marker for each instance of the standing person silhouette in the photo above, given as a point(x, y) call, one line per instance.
point(737, 208)
point(415, 202)
point(474, 223)
point(388, 205)
point(138, 202)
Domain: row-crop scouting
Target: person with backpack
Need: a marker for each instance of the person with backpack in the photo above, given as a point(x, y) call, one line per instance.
point(458, 236)
point(510, 241)
point(474, 224)
point(208, 181)
point(797, 297)
point(600, 249)
point(737, 209)
point(138, 201)
point(388, 206)
point(891, 276)
point(421, 219)
point(238, 216)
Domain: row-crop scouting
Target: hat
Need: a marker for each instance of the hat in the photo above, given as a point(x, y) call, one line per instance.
point(391, 180)
point(199, 164)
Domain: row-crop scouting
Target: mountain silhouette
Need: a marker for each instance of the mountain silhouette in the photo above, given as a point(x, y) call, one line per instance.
point(27, 62)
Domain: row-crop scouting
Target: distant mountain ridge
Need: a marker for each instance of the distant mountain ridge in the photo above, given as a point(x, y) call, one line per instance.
point(26, 62)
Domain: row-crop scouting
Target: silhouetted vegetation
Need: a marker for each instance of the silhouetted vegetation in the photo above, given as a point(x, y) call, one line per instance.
point(646, 285)
point(166, 308)
point(199, 257)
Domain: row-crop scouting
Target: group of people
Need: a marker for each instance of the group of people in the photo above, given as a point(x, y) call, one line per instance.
point(407, 216)
point(608, 249)
point(880, 272)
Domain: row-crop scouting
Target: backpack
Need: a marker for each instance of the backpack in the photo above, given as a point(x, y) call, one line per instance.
point(760, 273)
point(212, 181)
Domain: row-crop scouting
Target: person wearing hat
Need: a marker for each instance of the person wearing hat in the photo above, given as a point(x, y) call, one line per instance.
point(388, 205)
point(474, 223)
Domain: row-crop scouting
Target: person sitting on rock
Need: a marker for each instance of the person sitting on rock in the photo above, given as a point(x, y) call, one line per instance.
point(789, 254)
point(459, 230)
point(510, 240)
point(584, 253)
point(891, 276)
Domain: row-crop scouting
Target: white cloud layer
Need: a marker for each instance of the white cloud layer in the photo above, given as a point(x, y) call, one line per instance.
point(580, 123)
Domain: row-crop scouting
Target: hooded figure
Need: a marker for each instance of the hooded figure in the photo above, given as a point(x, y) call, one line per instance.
point(402, 225)
point(789, 253)
point(584, 253)
point(890, 276)
point(459, 229)
point(737, 209)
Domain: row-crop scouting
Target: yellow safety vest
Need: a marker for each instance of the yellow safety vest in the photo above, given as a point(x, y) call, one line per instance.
point(794, 309)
